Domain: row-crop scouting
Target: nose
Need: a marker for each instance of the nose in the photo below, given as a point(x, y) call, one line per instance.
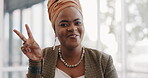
point(72, 28)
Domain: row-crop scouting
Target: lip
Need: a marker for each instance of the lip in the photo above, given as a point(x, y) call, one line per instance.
point(72, 36)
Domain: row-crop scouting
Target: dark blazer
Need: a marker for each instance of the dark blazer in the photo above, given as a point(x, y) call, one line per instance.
point(97, 64)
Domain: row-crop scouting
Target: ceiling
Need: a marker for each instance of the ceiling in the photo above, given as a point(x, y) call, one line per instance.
point(10, 5)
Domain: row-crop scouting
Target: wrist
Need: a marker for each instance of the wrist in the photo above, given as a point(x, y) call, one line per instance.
point(34, 63)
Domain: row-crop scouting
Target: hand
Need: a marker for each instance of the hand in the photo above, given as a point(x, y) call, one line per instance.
point(30, 47)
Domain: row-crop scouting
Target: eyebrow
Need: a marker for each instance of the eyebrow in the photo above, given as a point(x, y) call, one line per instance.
point(68, 21)
point(76, 19)
point(64, 21)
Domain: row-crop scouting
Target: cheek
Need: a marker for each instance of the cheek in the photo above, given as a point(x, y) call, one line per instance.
point(60, 33)
point(82, 30)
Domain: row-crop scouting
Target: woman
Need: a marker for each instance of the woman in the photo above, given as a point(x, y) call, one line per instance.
point(69, 59)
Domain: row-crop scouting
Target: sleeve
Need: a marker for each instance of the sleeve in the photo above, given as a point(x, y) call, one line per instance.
point(35, 68)
point(110, 71)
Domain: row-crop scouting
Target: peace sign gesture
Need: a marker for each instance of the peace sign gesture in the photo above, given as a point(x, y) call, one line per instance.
point(30, 47)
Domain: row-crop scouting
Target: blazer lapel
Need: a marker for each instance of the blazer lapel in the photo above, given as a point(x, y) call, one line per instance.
point(50, 63)
point(92, 65)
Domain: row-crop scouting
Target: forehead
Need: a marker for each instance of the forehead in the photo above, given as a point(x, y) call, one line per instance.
point(69, 13)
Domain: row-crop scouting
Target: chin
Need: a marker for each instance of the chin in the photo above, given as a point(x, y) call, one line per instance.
point(73, 45)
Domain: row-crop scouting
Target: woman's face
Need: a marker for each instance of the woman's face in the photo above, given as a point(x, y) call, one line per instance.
point(69, 27)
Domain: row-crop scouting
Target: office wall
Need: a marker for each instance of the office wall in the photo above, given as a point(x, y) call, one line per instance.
point(1, 33)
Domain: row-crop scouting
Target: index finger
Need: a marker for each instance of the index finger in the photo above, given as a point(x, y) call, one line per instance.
point(29, 31)
point(20, 35)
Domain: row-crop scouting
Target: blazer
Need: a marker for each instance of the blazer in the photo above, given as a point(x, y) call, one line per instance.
point(97, 64)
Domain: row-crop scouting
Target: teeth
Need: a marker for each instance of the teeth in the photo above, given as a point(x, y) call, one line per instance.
point(73, 36)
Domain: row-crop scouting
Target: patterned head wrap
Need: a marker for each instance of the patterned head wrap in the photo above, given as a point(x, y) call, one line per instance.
point(55, 7)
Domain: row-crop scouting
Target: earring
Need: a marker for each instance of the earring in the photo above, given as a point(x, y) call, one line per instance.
point(54, 44)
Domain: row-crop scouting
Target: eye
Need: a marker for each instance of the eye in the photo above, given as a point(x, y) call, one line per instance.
point(78, 23)
point(63, 24)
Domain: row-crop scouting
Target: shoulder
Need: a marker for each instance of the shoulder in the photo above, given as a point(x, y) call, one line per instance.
point(102, 61)
point(49, 52)
point(97, 54)
point(47, 49)
point(99, 57)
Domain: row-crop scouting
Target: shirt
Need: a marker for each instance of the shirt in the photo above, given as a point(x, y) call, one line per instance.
point(61, 74)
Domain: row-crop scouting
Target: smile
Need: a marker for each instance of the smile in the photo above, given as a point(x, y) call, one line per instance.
point(72, 36)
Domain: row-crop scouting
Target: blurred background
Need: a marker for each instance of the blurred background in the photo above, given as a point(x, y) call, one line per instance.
point(116, 27)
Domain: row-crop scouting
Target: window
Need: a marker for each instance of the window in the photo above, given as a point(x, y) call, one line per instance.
point(116, 27)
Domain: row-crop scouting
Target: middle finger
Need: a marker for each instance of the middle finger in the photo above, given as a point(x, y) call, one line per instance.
point(29, 31)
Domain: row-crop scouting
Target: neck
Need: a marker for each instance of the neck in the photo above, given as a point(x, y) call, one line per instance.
point(71, 53)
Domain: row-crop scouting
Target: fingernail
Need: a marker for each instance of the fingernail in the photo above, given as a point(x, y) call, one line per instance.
point(25, 52)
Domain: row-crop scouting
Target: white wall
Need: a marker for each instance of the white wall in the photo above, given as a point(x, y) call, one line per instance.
point(1, 34)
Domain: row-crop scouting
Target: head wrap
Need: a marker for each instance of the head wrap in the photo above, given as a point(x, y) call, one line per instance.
point(55, 7)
